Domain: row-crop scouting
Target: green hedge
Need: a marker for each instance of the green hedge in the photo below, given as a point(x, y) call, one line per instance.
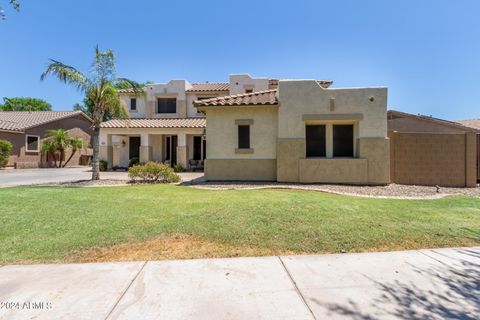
point(6, 148)
point(152, 172)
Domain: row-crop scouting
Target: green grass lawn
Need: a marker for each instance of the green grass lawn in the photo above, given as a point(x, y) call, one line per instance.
point(39, 224)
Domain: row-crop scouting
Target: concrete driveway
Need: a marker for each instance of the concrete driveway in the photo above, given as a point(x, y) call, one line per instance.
point(423, 284)
point(19, 177)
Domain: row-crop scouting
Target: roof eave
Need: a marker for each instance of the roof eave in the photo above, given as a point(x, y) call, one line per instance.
point(237, 106)
point(12, 131)
point(435, 120)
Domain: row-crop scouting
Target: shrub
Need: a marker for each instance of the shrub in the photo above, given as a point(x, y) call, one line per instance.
point(103, 165)
point(5, 151)
point(133, 161)
point(152, 172)
point(178, 167)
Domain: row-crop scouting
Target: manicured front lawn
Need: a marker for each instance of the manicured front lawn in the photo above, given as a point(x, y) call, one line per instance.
point(40, 224)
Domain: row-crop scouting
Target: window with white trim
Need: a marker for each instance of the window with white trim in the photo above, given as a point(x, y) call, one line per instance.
point(32, 143)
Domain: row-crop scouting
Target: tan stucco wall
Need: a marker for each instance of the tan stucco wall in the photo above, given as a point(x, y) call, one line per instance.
point(141, 105)
point(240, 169)
point(240, 82)
point(305, 102)
point(354, 171)
point(289, 153)
point(300, 97)
point(280, 135)
point(371, 167)
point(146, 104)
point(192, 111)
point(445, 159)
point(222, 132)
point(377, 151)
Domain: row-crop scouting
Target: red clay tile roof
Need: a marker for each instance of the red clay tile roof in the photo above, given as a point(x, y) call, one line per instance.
point(9, 126)
point(325, 83)
point(156, 123)
point(21, 120)
point(266, 97)
point(272, 84)
point(129, 90)
point(209, 86)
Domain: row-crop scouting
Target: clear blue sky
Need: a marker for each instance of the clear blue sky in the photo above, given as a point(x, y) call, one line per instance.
point(426, 52)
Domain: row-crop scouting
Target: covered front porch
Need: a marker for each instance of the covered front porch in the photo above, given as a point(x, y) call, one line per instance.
point(182, 146)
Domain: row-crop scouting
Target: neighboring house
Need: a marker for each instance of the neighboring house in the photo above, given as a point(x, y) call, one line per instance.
point(165, 126)
point(472, 123)
point(298, 131)
point(429, 151)
point(26, 130)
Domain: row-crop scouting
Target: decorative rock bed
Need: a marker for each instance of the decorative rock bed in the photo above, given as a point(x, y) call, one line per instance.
point(92, 183)
point(391, 191)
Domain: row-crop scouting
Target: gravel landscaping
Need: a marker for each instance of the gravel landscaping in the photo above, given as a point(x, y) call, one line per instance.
point(396, 191)
point(90, 183)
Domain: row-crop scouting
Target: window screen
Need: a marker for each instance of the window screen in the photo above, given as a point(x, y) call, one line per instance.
point(133, 104)
point(343, 140)
point(243, 137)
point(315, 141)
point(32, 143)
point(166, 105)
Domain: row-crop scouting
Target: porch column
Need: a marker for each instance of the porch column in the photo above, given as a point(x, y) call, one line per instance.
point(106, 149)
point(145, 148)
point(182, 149)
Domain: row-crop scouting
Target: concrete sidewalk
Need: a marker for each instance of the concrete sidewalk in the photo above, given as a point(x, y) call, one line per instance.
point(433, 284)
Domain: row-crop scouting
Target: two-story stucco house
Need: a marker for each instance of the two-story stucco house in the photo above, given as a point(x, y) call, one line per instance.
point(302, 131)
point(165, 126)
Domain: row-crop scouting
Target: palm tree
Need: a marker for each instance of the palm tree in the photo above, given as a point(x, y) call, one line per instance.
point(57, 143)
point(49, 148)
point(99, 88)
point(75, 144)
point(60, 140)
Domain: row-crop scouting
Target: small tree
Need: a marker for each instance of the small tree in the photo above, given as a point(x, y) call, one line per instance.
point(25, 104)
point(75, 145)
point(6, 148)
point(57, 143)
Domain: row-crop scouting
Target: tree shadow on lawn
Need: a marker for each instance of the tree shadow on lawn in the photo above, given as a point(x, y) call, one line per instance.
point(455, 294)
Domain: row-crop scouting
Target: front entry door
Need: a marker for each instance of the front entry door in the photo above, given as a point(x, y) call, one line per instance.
point(174, 150)
point(134, 144)
point(171, 149)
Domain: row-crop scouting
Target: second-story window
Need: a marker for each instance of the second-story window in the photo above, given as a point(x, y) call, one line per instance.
point(166, 105)
point(133, 104)
point(248, 90)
